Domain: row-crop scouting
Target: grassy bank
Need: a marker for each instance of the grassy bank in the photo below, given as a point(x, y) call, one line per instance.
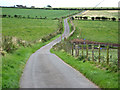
point(69, 25)
point(102, 78)
point(0, 73)
point(100, 31)
point(13, 64)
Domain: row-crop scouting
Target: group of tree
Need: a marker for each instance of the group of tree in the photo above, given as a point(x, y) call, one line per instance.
point(96, 18)
point(49, 7)
point(103, 18)
point(81, 18)
point(20, 16)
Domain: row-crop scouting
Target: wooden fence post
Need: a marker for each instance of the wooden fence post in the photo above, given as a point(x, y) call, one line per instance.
point(82, 49)
point(72, 49)
point(78, 49)
point(99, 52)
point(108, 54)
point(87, 50)
point(118, 57)
point(67, 46)
point(93, 52)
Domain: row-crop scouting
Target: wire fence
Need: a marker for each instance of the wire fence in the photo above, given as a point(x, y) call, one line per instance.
point(104, 54)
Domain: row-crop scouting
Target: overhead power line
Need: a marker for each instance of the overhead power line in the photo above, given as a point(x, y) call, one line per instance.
point(99, 3)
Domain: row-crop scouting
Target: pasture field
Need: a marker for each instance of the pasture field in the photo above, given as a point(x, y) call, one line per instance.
point(28, 29)
point(100, 13)
point(100, 31)
point(38, 12)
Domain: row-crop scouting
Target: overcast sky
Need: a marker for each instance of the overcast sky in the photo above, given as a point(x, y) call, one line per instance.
point(61, 3)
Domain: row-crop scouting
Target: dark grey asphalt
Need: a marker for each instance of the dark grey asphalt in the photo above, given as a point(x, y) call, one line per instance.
point(46, 70)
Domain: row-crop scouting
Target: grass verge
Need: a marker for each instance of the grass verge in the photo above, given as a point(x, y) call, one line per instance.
point(102, 78)
point(14, 63)
point(69, 25)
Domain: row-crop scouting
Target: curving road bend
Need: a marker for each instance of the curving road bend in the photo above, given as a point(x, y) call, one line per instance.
point(46, 70)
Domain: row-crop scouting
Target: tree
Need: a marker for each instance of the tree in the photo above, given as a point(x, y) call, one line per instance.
point(15, 16)
point(72, 18)
point(81, 17)
point(85, 18)
point(44, 17)
point(92, 18)
point(49, 6)
point(104, 18)
point(97, 18)
point(113, 19)
point(76, 17)
point(119, 19)
point(32, 6)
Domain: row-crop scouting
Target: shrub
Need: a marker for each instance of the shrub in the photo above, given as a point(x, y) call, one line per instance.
point(35, 17)
point(28, 16)
point(19, 16)
point(7, 44)
point(24, 17)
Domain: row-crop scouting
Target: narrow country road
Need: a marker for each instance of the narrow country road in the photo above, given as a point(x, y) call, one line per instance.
point(46, 70)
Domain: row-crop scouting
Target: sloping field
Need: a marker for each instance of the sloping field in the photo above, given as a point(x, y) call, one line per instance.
point(100, 31)
point(100, 13)
point(28, 29)
point(37, 12)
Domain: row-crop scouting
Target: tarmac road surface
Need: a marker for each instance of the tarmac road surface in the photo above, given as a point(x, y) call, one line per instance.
point(46, 70)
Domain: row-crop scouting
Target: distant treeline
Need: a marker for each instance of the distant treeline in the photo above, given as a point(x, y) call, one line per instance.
point(98, 8)
point(95, 18)
point(35, 17)
point(20, 16)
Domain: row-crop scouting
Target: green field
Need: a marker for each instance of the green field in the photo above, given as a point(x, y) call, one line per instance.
point(37, 12)
point(100, 31)
point(28, 29)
